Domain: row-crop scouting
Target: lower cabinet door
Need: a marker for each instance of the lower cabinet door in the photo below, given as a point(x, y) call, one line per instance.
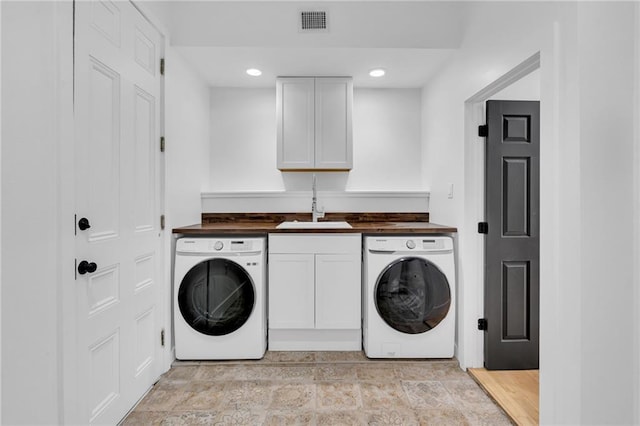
point(338, 288)
point(291, 291)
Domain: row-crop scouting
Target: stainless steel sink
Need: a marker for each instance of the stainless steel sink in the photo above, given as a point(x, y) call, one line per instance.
point(313, 225)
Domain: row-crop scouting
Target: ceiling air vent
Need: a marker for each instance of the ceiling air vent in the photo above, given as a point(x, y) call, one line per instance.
point(313, 21)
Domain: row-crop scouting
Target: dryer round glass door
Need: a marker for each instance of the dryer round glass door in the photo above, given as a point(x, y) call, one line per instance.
point(412, 295)
point(216, 297)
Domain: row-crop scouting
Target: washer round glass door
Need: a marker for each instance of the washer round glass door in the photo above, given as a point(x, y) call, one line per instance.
point(216, 297)
point(412, 295)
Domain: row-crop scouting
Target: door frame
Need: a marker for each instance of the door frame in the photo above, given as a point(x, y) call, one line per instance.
point(68, 380)
point(472, 291)
point(636, 215)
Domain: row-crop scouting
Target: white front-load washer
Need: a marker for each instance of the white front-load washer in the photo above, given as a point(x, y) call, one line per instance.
point(409, 297)
point(220, 298)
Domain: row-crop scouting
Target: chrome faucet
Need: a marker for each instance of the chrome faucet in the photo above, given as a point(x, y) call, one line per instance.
point(315, 213)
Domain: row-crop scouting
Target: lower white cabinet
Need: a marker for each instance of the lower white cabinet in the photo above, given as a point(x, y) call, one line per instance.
point(338, 289)
point(315, 291)
point(292, 292)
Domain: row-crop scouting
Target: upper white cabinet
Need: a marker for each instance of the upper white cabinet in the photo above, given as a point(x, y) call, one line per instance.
point(314, 123)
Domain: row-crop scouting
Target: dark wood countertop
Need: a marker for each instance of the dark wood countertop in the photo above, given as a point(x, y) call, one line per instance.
point(363, 223)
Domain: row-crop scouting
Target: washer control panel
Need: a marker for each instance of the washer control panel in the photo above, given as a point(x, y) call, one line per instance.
point(415, 244)
point(220, 245)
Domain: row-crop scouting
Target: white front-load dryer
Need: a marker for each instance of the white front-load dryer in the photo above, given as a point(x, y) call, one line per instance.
point(409, 297)
point(220, 298)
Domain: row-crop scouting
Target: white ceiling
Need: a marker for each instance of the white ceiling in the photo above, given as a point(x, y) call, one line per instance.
point(221, 39)
point(225, 66)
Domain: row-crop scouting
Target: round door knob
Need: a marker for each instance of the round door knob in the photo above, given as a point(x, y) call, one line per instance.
point(84, 267)
point(218, 245)
point(83, 224)
point(411, 244)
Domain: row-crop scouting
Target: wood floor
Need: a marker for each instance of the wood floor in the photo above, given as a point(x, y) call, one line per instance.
point(516, 391)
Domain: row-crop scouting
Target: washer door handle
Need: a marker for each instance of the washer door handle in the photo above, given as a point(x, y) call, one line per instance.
point(84, 267)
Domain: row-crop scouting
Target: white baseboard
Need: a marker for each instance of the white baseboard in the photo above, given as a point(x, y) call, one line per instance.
point(315, 340)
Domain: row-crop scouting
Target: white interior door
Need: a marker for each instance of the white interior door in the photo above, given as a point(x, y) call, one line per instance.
point(117, 115)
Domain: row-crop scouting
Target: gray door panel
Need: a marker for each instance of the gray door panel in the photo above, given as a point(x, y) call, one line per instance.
point(512, 244)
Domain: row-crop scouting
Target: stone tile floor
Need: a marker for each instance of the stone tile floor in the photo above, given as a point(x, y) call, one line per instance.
point(317, 388)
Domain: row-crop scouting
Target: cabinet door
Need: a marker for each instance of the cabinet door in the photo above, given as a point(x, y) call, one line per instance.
point(295, 120)
point(291, 291)
point(338, 284)
point(333, 135)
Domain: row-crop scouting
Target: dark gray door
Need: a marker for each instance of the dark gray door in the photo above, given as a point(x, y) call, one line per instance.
point(512, 291)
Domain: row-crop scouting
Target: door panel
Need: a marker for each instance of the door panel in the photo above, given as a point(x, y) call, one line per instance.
point(101, 152)
point(117, 116)
point(144, 273)
point(338, 288)
point(291, 291)
point(516, 184)
point(295, 118)
point(144, 154)
point(515, 299)
point(103, 289)
point(145, 52)
point(144, 340)
point(103, 374)
point(333, 138)
point(512, 244)
point(106, 20)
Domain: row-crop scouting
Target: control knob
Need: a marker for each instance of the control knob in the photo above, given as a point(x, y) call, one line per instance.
point(218, 245)
point(411, 244)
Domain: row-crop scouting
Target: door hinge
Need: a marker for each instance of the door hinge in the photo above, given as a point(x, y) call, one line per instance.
point(483, 131)
point(161, 221)
point(482, 324)
point(162, 337)
point(161, 143)
point(483, 228)
point(161, 66)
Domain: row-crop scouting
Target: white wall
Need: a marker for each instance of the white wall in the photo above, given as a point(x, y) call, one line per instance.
point(386, 143)
point(0, 225)
point(587, 354)
point(187, 135)
point(386, 140)
point(243, 140)
point(33, 55)
point(636, 232)
point(186, 159)
point(606, 81)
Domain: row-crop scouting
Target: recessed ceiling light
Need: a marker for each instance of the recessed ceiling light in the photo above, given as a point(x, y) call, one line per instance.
point(254, 72)
point(378, 72)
